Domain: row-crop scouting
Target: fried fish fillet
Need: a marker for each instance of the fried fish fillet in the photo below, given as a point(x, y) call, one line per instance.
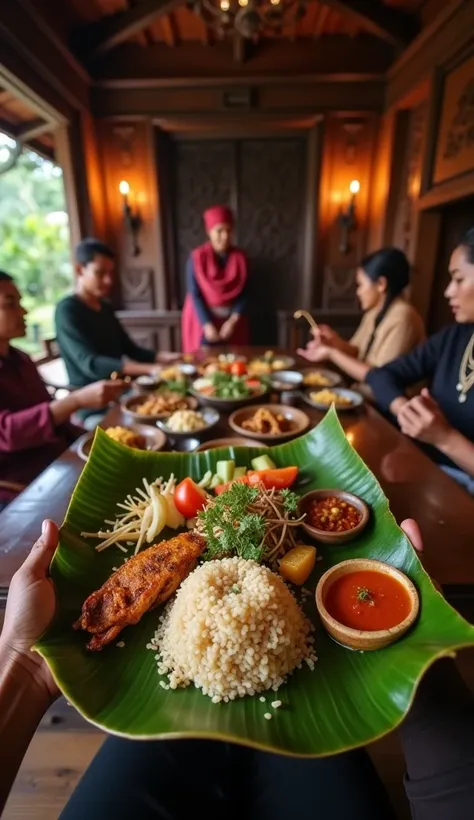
point(143, 582)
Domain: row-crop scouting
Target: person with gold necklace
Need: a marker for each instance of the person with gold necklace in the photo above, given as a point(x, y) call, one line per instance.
point(442, 416)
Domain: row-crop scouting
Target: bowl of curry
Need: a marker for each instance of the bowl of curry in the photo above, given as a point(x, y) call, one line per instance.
point(366, 604)
point(333, 516)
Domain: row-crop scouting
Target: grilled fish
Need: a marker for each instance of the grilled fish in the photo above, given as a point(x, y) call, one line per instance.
point(143, 582)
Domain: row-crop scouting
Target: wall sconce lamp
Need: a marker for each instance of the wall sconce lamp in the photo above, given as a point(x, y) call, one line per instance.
point(132, 218)
point(347, 218)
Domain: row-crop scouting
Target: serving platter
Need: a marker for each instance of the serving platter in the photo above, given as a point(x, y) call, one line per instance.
point(356, 399)
point(349, 700)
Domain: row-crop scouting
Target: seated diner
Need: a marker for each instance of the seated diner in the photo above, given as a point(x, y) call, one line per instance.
point(389, 328)
point(34, 429)
point(216, 281)
point(441, 417)
point(92, 341)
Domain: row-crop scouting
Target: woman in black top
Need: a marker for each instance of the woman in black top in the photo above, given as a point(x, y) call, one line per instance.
point(442, 416)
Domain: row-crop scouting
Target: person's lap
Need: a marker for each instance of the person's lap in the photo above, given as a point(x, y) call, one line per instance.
point(175, 779)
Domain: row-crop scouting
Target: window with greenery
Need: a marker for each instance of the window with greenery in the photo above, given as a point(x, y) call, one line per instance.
point(34, 239)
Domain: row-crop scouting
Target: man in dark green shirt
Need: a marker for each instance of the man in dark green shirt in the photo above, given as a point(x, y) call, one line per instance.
point(92, 341)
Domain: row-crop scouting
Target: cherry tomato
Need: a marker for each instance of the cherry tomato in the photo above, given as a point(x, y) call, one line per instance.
point(189, 499)
point(253, 384)
point(278, 479)
point(238, 369)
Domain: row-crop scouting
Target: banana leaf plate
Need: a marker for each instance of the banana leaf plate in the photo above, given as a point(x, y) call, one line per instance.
point(350, 699)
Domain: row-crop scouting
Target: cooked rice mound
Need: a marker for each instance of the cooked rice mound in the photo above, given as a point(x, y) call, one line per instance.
point(234, 629)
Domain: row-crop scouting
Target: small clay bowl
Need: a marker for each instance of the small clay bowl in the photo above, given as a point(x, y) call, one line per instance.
point(324, 536)
point(298, 422)
point(359, 639)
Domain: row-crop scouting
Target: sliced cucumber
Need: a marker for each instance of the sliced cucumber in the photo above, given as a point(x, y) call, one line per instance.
point(239, 472)
point(225, 470)
point(205, 480)
point(215, 481)
point(263, 463)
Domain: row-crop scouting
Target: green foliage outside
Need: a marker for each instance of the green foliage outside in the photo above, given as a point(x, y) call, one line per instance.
point(34, 240)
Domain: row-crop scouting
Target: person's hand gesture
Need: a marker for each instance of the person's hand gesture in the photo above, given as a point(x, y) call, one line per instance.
point(31, 605)
point(318, 353)
point(228, 328)
point(421, 418)
point(98, 395)
point(211, 334)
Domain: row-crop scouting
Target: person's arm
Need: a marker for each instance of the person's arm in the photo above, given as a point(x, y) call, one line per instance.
point(134, 351)
point(26, 686)
point(390, 382)
point(74, 343)
point(349, 364)
point(203, 313)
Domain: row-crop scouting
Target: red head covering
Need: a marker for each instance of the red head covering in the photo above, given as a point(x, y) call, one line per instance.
point(218, 215)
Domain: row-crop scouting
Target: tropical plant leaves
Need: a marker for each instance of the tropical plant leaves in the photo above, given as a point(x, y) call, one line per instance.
point(350, 699)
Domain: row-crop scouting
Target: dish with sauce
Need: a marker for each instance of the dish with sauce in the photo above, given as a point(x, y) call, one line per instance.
point(342, 398)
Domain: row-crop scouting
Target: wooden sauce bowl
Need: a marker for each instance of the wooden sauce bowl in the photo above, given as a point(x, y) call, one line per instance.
point(363, 640)
point(325, 536)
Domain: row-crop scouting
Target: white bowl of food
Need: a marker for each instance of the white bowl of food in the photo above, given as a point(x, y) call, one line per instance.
point(136, 436)
point(184, 423)
point(153, 406)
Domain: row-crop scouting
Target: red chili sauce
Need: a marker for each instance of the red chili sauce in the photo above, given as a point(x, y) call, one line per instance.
point(332, 514)
point(368, 600)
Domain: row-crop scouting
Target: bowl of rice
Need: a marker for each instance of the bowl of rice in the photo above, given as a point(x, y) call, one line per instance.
point(189, 422)
point(233, 629)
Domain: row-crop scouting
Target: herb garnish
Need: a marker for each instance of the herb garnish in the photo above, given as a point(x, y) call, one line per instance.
point(364, 595)
point(290, 500)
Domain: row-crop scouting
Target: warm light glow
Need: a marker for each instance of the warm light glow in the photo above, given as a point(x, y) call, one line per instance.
point(124, 187)
point(225, 5)
point(243, 3)
point(350, 437)
point(275, 2)
point(354, 187)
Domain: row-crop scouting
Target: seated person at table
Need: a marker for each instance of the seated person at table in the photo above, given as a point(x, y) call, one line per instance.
point(34, 430)
point(443, 415)
point(389, 328)
point(216, 276)
point(92, 341)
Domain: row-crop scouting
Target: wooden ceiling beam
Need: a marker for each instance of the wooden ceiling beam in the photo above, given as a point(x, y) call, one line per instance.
point(98, 38)
point(32, 129)
point(18, 133)
point(395, 27)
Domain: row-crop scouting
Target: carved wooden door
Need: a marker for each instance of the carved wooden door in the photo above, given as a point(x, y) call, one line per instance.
point(205, 176)
point(263, 181)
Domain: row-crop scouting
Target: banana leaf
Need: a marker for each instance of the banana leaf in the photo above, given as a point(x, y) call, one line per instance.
point(350, 699)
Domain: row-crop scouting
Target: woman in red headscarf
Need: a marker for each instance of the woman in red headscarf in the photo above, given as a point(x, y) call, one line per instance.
point(216, 278)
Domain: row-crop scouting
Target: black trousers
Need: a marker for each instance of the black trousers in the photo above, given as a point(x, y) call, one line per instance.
point(181, 779)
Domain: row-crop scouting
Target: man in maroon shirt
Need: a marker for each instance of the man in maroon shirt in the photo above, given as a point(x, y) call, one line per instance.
point(34, 429)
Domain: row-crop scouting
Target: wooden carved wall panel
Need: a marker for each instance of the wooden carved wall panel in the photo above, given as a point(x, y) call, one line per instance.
point(404, 229)
point(204, 177)
point(271, 218)
point(137, 288)
point(339, 288)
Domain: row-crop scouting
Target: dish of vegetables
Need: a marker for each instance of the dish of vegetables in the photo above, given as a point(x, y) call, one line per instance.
point(228, 388)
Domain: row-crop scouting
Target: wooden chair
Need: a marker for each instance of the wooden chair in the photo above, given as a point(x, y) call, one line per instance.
point(52, 368)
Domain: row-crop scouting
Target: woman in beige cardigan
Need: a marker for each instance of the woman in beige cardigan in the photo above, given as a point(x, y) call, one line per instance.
point(389, 328)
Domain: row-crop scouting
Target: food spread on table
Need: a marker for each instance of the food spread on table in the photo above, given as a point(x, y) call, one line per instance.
point(332, 514)
point(162, 402)
point(265, 422)
point(172, 374)
point(126, 436)
point(328, 397)
point(185, 421)
point(225, 385)
point(267, 364)
point(368, 600)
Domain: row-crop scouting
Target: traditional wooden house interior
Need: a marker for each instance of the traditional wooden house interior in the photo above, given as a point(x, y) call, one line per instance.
point(331, 128)
point(190, 110)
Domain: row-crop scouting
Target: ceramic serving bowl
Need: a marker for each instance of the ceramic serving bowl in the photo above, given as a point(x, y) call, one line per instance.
point(322, 377)
point(235, 441)
point(354, 398)
point(334, 537)
point(154, 439)
point(227, 405)
point(363, 640)
point(285, 380)
point(210, 416)
point(132, 404)
point(298, 422)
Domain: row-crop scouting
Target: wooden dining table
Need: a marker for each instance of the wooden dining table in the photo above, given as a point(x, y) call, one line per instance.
point(415, 486)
